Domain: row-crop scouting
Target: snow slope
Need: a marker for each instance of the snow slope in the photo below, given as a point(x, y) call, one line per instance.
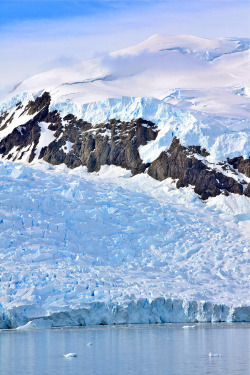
point(75, 239)
point(195, 73)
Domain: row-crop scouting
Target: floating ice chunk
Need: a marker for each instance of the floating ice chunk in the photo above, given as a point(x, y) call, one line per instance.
point(89, 344)
point(70, 355)
point(214, 355)
point(187, 327)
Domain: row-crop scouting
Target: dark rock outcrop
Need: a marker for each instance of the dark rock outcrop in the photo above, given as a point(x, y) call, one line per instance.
point(243, 165)
point(247, 191)
point(180, 163)
point(2, 119)
point(38, 104)
point(76, 142)
point(114, 142)
point(25, 138)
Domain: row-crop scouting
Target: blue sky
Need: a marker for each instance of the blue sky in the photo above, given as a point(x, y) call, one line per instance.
point(16, 10)
point(36, 35)
point(19, 10)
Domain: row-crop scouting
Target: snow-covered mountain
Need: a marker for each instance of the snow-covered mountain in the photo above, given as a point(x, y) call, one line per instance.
point(208, 75)
point(161, 225)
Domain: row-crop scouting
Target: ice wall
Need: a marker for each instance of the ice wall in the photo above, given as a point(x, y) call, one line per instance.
point(140, 311)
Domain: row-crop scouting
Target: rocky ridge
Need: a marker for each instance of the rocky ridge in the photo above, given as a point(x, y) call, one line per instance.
point(76, 142)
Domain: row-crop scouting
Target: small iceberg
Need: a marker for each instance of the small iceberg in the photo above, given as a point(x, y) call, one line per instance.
point(70, 355)
point(187, 327)
point(89, 344)
point(214, 355)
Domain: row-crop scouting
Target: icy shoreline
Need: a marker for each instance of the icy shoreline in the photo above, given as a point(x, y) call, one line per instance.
point(140, 311)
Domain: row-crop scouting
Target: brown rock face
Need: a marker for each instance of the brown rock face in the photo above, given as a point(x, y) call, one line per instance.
point(180, 163)
point(247, 191)
point(2, 120)
point(26, 137)
point(243, 165)
point(38, 104)
point(114, 142)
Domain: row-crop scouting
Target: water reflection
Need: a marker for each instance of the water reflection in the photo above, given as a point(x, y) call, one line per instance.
point(135, 350)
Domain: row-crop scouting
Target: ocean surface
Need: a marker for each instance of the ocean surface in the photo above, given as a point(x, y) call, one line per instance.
point(169, 349)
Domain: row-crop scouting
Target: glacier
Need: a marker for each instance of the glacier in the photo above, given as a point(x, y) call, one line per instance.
point(108, 248)
point(81, 248)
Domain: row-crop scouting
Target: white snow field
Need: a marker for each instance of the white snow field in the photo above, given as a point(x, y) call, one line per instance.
point(107, 248)
point(111, 248)
point(206, 75)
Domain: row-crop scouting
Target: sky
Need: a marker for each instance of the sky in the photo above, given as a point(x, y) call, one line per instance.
point(38, 35)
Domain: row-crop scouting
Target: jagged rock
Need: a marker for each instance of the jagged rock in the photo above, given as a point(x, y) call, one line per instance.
point(19, 105)
point(198, 150)
point(180, 163)
point(2, 118)
point(38, 104)
point(114, 142)
point(26, 137)
point(243, 165)
point(247, 191)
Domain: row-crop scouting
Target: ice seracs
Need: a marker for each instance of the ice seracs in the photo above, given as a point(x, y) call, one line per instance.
point(85, 259)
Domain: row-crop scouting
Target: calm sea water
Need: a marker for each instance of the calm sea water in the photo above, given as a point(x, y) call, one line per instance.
point(149, 350)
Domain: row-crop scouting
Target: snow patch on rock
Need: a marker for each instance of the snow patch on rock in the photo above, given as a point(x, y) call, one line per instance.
point(46, 137)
